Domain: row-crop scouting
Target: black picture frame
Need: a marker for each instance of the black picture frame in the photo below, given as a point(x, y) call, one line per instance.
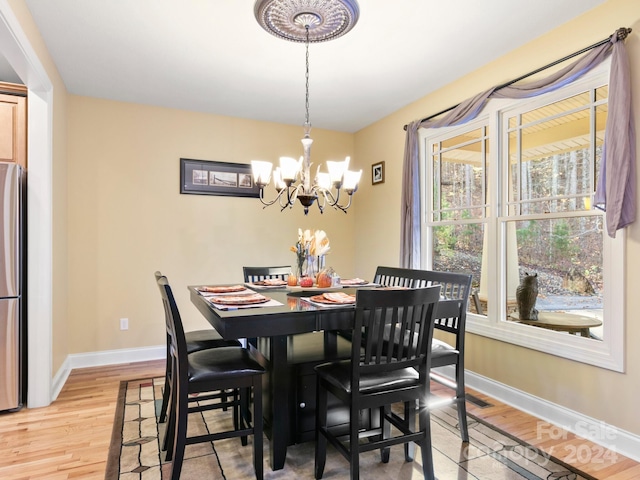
point(206, 177)
point(377, 173)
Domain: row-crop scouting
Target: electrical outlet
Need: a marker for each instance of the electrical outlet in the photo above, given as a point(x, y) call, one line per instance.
point(124, 324)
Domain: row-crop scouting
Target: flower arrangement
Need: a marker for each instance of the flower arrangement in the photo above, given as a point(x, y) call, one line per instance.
point(310, 243)
point(319, 244)
point(301, 248)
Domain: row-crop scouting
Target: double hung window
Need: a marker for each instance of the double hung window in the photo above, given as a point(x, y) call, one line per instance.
point(510, 194)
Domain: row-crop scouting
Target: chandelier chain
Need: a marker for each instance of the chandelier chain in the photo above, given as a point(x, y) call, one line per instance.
point(306, 104)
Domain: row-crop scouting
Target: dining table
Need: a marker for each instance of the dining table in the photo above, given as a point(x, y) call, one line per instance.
point(277, 325)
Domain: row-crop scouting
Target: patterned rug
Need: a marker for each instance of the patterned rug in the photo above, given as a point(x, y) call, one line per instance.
point(490, 455)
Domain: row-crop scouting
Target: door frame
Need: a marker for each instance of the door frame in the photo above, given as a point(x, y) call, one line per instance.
point(23, 59)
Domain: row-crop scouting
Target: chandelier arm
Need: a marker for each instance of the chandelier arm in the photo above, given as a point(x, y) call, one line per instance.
point(337, 197)
point(343, 207)
point(332, 199)
point(269, 203)
point(297, 190)
point(287, 201)
point(323, 196)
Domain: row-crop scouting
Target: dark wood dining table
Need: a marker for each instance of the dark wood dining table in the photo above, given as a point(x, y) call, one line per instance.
point(275, 326)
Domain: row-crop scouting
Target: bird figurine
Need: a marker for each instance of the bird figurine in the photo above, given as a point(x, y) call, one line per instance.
point(526, 295)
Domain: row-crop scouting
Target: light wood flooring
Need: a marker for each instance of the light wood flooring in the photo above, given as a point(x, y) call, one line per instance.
point(70, 438)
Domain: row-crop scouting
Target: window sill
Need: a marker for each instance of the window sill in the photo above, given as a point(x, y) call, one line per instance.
point(562, 344)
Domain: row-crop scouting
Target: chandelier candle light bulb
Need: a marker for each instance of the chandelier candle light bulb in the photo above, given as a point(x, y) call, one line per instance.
point(277, 180)
point(261, 172)
point(351, 180)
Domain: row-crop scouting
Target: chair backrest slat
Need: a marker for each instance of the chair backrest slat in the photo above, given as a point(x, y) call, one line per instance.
point(448, 315)
point(406, 314)
point(454, 295)
point(175, 329)
point(254, 274)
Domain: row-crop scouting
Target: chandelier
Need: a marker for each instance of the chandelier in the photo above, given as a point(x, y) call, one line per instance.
point(306, 21)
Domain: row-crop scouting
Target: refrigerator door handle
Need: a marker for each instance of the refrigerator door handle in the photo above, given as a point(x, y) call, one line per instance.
point(10, 228)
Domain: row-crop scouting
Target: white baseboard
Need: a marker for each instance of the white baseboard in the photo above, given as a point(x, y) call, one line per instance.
point(60, 378)
point(107, 357)
point(552, 416)
point(114, 357)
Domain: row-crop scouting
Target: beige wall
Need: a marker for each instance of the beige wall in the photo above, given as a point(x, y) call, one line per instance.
point(127, 218)
point(595, 392)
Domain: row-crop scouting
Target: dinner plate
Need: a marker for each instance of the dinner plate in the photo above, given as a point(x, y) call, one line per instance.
point(239, 299)
point(353, 281)
point(270, 282)
point(334, 298)
point(314, 288)
point(222, 289)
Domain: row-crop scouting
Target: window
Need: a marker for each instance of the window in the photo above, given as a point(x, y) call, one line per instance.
point(511, 194)
point(458, 207)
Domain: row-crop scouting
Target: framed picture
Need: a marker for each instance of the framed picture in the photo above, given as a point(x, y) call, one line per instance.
point(204, 177)
point(377, 173)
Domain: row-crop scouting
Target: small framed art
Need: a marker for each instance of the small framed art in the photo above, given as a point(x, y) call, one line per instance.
point(377, 173)
point(205, 177)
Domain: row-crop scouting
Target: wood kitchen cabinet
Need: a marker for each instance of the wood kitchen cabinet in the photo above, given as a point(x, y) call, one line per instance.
point(13, 124)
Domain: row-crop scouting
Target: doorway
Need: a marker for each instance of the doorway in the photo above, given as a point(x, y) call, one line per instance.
point(22, 58)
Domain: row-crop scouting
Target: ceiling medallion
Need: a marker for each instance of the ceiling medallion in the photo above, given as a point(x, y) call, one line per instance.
point(290, 19)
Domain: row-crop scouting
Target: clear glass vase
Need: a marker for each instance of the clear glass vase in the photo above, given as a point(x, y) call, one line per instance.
point(313, 265)
point(300, 267)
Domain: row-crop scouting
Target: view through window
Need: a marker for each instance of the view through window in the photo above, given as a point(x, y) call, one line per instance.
point(554, 153)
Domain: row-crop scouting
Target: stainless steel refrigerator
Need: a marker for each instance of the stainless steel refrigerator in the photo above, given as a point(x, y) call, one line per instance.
point(12, 281)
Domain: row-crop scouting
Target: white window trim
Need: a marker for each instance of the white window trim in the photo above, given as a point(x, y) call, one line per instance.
point(606, 353)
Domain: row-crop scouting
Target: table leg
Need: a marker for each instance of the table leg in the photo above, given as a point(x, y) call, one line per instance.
point(280, 391)
point(330, 344)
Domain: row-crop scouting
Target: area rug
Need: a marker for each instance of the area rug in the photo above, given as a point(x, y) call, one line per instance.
point(491, 454)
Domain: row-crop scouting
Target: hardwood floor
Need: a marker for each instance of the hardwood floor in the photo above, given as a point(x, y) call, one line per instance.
point(567, 447)
point(70, 438)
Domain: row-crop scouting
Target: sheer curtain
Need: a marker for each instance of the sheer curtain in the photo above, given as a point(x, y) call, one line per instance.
point(616, 189)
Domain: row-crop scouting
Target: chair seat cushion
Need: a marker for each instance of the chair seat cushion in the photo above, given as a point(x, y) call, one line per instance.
point(222, 363)
point(442, 353)
point(203, 339)
point(339, 375)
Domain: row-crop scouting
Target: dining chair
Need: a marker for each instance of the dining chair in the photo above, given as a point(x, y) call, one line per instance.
point(213, 370)
point(254, 274)
point(451, 317)
point(378, 375)
point(196, 340)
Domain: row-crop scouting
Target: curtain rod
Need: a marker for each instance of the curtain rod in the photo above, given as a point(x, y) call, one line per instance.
point(621, 32)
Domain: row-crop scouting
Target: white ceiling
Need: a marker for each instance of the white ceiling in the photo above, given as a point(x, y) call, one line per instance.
point(212, 56)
